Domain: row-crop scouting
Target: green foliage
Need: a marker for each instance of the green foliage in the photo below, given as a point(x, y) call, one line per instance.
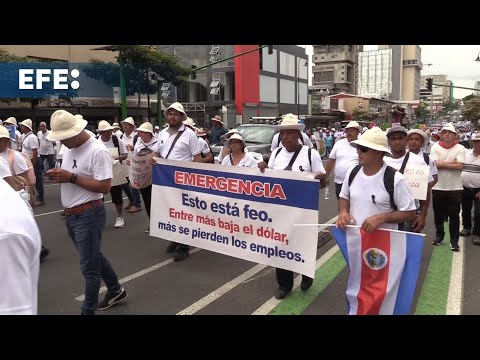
point(385, 126)
point(360, 115)
point(471, 110)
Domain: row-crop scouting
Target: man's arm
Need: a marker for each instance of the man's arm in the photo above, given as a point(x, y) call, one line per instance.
point(64, 176)
point(449, 165)
point(197, 158)
point(344, 217)
point(330, 166)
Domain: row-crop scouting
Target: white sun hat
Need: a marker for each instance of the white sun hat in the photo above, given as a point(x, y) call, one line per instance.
point(129, 120)
point(290, 122)
point(103, 125)
point(217, 118)
point(64, 125)
point(355, 125)
point(146, 127)
point(448, 127)
point(157, 127)
point(115, 125)
point(4, 133)
point(375, 139)
point(235, 137)
point(27, 123)
point(10, 120)
point(423, 134)
point(189, 121)
point(178, 107)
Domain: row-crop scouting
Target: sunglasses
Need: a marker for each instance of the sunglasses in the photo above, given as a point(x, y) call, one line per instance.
point(363, 149)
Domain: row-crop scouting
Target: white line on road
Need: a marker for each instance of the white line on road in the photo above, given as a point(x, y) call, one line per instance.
point(139, 273)
point(455, 290)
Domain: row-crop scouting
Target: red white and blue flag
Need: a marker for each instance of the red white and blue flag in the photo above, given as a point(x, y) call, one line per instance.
point(384, 268)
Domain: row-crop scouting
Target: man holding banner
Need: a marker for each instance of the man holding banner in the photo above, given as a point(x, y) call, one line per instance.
point(378, 257)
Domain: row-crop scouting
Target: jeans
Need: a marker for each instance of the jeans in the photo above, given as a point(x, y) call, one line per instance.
point(469, 200)
point(49, 158)
point(86, 232)
point(137, 201)
point(38, 168)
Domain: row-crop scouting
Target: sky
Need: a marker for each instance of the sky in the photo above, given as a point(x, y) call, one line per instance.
point(455, 61)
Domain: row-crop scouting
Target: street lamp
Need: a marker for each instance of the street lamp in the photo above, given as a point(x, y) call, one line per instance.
point(298, 83)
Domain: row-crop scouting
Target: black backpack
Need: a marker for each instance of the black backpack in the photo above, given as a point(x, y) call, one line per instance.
point(135, 138)
point(426, 158)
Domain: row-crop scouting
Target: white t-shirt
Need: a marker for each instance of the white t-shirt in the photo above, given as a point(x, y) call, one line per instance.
point(19, 163)
point(128, 139)
point(204, 145)
point(151, 145)
point(110, 145)
point(345, 156)
point(118, 133)
point(276, 143)
point(20, 244)
point(247, 161)
point(448, 180)
point(431, 163)
point(368, 196)
point(184, 149)
point(413, 159)
point(91, 160)
point(471, 170)
point(4, 168)
point(280, 159)
point(29, 142)
point(46, 146)
point(59, 149)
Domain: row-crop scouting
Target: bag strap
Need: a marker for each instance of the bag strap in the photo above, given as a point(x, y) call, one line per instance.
point(294, 157)
point(404, 163)
point(173, 143)
point(389, 182)
point(231, 158)
point(426, 158)
point(310, 157)
point(353, 173)
point(11, 161)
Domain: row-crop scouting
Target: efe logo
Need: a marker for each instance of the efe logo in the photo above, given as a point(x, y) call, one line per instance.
point(33, 79)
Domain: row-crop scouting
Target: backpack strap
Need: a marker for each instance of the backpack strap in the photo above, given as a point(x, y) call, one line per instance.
point(310, 157)
point(115, 143)
point(426, 158)
point(11, 161)
point(279, 139)
point(278, 149)
point(135, 138)
point(404, 163)
point(389, 182)
point(353, 173)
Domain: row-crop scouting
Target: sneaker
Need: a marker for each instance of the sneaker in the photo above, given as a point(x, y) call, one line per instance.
point(111, 299)
point(128, 206)
point(119, 223)
point(437, 241)
point(281, 293)
point(147, 230)
point(134, 209)
point(465, 232)
point(44, 253)
point(181, 255)
point(306, 283)
point(454, 247)
point(39, 203)
point(476, 240)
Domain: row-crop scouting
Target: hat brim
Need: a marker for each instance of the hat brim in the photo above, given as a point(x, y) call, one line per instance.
point(109, 128)
point(144, 130)
point(299, 127)
point(359, 128)
point(227, 143)
point(181, 112)
point(454, 131)
point(67, 134)
point(27, 126)
point(370, 145)
point(220, 121)
point(8, 122)
point(127, 122)
point(421, 133)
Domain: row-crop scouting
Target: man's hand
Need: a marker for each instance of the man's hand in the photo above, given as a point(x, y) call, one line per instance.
point(59, 175)
point(262, 166)
point(345, 219)
point(419, 223)
point(373, 222)
point(323, 180)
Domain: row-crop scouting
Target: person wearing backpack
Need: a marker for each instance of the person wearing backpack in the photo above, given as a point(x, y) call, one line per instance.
point(129, 139)
point(364, 200)
point(293, 156)
point(397, 140)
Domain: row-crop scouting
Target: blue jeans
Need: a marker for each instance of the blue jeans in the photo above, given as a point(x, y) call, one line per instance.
point(132, 194)
point(38, 168)
point(86, 232)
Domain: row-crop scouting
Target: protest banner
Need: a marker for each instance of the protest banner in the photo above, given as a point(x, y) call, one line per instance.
point(140, 171)
point(417, 179)
point(238, 212)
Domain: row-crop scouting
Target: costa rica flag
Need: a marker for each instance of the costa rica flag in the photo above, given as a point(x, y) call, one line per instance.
point(384, 266)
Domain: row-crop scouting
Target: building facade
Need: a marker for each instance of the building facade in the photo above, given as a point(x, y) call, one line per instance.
point(375, 73)
point(336, 67)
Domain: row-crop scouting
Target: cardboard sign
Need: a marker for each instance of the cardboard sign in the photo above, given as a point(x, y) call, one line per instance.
point(417, 178)
point(140, 174)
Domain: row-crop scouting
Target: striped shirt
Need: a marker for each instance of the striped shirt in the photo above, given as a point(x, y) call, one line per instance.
point(471, 170)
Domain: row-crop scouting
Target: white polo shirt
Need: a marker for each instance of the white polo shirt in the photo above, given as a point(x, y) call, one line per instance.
point(110, 145)
point(91, 160)
point(204, 145)
point(345, 156)
point(20, 245)
point(29, 143)
point(186, 147)
point(46, 146)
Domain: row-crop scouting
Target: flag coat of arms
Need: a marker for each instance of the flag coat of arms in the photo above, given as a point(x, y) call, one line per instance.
point(384, 267)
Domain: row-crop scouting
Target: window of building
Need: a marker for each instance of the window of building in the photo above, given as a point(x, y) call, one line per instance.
point(325, 76)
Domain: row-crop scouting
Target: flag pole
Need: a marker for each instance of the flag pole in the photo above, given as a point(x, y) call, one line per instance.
point(358, 226)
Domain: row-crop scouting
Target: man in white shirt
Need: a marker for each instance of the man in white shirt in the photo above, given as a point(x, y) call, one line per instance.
point(86, 174)
point(277, 141)
point(16, 144)
point(20, 244)
point(116, 130)
point(449, 157)
point(30, 146)
point(343, 156)
point(292, 156)
point(46, 150)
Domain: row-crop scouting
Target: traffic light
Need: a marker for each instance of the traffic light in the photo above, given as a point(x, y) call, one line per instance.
point(429, 84)
point(270, 49)
point(194, 74)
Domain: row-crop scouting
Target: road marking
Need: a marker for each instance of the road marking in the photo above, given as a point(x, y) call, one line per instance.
point(138, 274)
point(455, 290)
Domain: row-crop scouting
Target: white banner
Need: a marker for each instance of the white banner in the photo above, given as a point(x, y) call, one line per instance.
point(238, 212)
point(140, 174)
point(417, 178)
point(120, 173)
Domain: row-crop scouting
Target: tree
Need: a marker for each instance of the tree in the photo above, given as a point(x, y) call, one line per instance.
point(471, 110)
point(360, 115)
point(145, 68)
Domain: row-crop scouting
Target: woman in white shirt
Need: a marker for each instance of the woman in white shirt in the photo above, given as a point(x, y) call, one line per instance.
point(237, 155)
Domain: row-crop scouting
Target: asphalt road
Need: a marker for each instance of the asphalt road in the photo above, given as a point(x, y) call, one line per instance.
point(208, 283)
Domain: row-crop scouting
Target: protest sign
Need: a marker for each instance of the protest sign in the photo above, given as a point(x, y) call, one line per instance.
point(417, 178)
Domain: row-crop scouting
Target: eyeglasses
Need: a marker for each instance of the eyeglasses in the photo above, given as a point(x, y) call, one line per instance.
point(363, 149)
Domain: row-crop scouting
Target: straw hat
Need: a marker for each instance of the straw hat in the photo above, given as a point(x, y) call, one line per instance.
point(235, 137)
point(4, 133)
point(355, 125)
point(129, 120)
point(27, 123)
point(157, 128)
point(103, 125)
point(423, 134)
point(178, 107)
point(65, 126)
point(11, 120)
point(375, 139)
point(217, 118)
point(201, 133)
point(78, 116)
point(115, 125)
point(475, 136)
point(448, 127)
point(146, 127)
point(290, 122)
point(189, 121)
